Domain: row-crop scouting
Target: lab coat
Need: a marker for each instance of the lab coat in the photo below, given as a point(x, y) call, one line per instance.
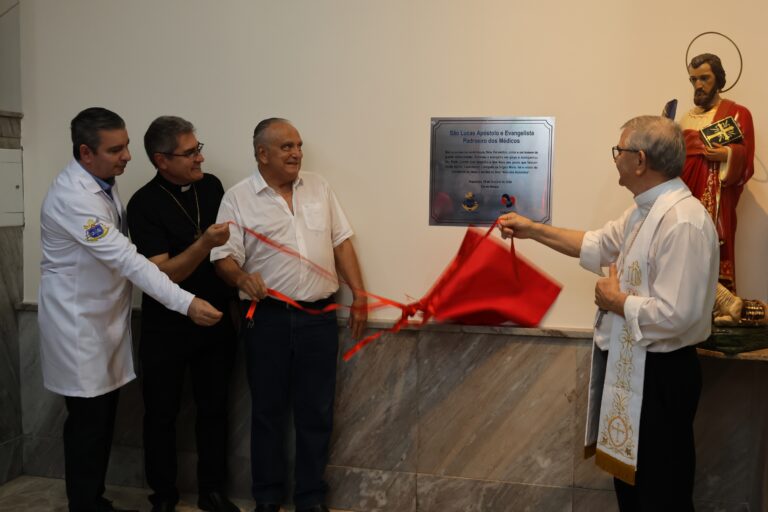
point(84, 307)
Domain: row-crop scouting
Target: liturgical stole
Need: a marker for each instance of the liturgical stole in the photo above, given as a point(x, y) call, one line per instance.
point(616, 379)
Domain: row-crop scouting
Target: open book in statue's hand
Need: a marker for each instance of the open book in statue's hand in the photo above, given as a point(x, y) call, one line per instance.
point(721, 132)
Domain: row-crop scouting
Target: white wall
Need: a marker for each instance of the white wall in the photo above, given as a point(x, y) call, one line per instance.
point(361, 79)
point(10, 69)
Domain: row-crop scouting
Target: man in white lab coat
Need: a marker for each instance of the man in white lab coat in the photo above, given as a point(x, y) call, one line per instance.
point(87, 268)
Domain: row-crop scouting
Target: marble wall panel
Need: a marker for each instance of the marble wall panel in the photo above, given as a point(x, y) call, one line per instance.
point(496, 408)
point(366, 490)
point(186, 479)
point(8, 143)
point(130, 409)
point(439, 494)
point(130, 416)
point(590, 500)
point(429, 420)
point(10, 295)
point(375, 415)
point(44, 456)
point(239, 477)
point(759, 408)
point(239, 408)
point(10, 132)
point(10, 127)
point(44, 412)
point(585, 473)
point(126, 466)
point(10, 394)
point(11, 459)
point(712, 506)
point(725, 450)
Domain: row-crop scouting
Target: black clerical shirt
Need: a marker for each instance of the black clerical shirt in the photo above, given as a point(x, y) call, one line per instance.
point(163, 219)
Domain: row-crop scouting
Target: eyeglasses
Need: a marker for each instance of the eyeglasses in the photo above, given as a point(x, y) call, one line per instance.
point(192, 153)
point(616, 150)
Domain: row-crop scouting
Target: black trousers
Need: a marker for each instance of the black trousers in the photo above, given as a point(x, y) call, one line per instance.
point(291, 362)
point(666, 459)
point(87, 436)
point(208, 354)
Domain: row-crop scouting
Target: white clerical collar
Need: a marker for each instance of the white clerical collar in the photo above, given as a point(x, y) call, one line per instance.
point(645, 200)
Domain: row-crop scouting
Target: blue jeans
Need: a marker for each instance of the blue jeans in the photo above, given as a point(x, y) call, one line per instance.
point(291, 363)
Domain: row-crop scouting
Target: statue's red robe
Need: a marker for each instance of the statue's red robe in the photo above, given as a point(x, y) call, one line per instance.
point(720, 198)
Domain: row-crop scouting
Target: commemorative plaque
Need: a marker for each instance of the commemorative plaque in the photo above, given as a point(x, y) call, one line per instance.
point(484, 167)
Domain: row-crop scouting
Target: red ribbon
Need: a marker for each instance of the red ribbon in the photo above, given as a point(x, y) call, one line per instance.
point(422, 306)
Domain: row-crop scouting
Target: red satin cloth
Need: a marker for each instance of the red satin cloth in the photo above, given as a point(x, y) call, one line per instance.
point(485, 284)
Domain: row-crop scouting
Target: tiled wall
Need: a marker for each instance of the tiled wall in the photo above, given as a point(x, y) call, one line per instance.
point(445, 420)
point(10, 296)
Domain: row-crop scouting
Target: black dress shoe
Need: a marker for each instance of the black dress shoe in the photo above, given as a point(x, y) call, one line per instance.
point(316, 508)
point(164, 506)
point(216, 502)
point(267, 507)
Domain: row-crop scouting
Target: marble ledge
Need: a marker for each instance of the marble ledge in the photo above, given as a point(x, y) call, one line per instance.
point(756, 355)
point(542, 332)
point(510, 330)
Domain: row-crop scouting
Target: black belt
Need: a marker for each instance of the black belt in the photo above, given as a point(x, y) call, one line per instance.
point(269, 302)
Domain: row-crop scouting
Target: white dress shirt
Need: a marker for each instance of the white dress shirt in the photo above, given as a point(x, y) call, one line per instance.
point(316, 226)
point(684, 260)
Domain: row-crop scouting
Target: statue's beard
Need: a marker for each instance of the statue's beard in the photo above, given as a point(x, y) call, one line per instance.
point(704, 100)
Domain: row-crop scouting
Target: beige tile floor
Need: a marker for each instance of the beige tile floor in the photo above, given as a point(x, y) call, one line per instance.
point(36, 494)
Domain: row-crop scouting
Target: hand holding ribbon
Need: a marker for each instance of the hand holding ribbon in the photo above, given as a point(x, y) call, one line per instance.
point(485, 284)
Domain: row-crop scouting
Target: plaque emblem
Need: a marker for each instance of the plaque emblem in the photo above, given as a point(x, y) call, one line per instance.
point(470, 203)
point(508, 201)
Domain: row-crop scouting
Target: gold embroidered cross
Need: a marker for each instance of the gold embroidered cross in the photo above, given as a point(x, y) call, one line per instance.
point(723, 133)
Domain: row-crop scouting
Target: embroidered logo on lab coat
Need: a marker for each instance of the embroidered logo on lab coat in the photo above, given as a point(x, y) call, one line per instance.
point(95, 230)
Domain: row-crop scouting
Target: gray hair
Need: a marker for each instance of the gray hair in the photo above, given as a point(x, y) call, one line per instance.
point(259, 133)
point(162, 135)
point(661, 140)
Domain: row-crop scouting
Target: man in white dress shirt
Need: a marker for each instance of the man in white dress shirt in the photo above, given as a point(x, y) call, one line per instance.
point(291, 354)
point(654, 306)
point(84, 310)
